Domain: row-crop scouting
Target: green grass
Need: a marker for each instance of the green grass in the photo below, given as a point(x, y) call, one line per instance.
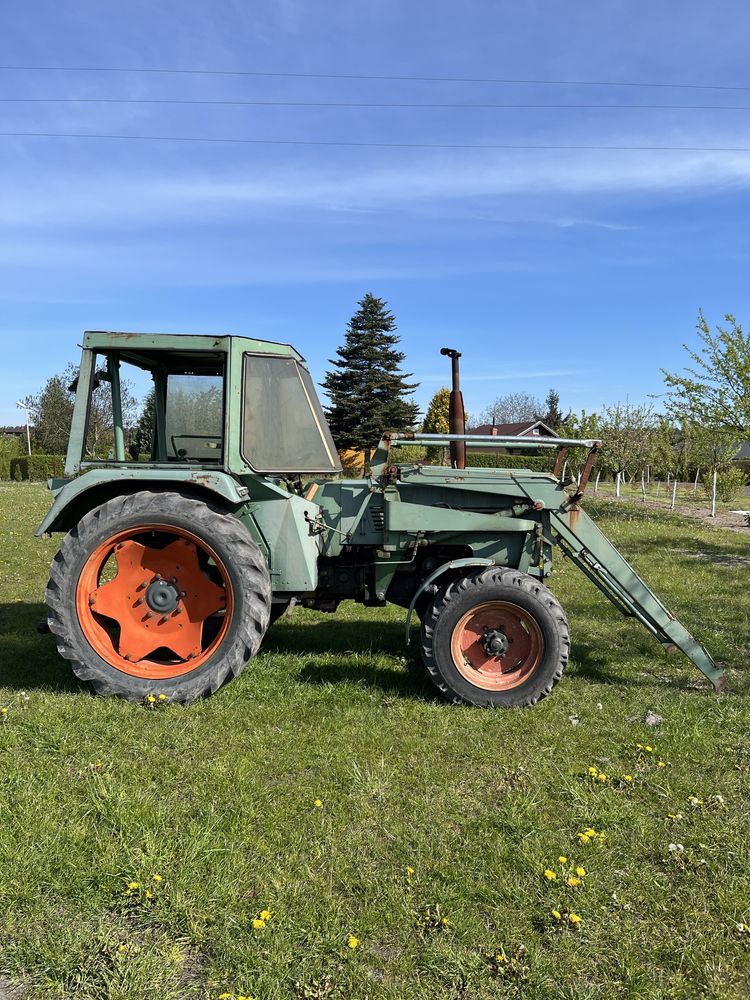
point(218, 799)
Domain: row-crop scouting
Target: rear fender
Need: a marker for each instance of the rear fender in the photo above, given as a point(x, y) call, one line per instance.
point(75, 497)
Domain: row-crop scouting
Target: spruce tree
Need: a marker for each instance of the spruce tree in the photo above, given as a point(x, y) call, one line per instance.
point(366, 388)
point(552, 415)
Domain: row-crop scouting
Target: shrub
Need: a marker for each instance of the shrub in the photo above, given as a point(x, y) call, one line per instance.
point(483, 460)
point(730, 482)
point(10, 448)
point(36, 467)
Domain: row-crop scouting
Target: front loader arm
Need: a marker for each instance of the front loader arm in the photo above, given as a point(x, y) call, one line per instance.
point(599, 560)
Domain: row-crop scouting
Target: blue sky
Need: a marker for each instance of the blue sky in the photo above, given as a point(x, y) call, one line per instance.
point(582, 270)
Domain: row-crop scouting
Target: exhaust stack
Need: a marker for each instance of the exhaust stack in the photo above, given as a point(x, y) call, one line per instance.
point(456, 412)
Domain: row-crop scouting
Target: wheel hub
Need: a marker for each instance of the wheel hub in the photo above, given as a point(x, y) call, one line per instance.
point(162, 596)
point(495, 642)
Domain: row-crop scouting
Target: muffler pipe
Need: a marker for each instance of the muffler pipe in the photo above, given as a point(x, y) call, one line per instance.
point(456, 412)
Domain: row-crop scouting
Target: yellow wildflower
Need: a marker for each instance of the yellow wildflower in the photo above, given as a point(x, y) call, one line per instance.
point(593, 770)
point(162, 697)
point(265, 915)
point(353, 942)
point(573, 881)
point(132, 885)
point(550, 875)
point(151, 699)
point(500, 958)
point(258, 924)
point(3, 710)
point(648, 749)
point(602, 835)
point(148, 894)
point(409, 870)
point(157, 878)
point(581, 871)
point(602, 776)
point(557, 915)
point(627, 777)
point(584, 838)
point(574, 918)
point(224, 996)
point(590, 831)
point(122, 947)
point(562, 859)
point(318, 804)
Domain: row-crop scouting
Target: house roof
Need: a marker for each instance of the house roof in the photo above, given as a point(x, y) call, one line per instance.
point(521, 428)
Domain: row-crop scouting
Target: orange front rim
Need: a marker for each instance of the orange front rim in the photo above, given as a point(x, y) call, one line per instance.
point(154, 601)
point(497, 645)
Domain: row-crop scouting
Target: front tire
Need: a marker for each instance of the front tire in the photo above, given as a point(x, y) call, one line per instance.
point(495, 638)
point(158, 593)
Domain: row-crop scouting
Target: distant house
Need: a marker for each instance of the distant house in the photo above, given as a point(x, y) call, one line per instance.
point(14, 431)
point(521, 429)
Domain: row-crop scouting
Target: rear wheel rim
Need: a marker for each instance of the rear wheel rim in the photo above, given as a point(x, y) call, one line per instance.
point(497, 645)
point(154, 601)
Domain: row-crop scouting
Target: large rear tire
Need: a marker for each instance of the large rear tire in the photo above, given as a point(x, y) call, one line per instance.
point(158, 593)
point(496, 637)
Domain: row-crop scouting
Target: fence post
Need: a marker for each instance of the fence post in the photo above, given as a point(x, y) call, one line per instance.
point(617, 485)
point(643, 487)
point(695, 484)
point(596, 484)
point(713, 496)
point(674, 493)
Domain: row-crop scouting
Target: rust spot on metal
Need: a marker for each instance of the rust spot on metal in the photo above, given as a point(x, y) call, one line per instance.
point(721, 685)
point(574, 514)
point(560, 462)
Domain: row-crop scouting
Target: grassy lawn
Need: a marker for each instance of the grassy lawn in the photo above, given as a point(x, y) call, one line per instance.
point(436, 823)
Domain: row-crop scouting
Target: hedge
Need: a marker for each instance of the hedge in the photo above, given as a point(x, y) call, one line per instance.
point(37, 468)
point(484, 460)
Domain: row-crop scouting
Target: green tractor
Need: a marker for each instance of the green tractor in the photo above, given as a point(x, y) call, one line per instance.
point(175, 563)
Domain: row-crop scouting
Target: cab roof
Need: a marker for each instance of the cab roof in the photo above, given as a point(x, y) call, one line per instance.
point(193, 349)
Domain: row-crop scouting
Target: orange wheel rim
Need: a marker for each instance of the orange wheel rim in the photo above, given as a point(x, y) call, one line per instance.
point(497, 645)
point(166, 606)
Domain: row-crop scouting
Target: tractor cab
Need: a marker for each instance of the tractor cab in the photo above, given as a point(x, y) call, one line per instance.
point(241, 405)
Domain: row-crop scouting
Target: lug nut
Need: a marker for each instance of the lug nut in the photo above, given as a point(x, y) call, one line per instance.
point(139, 602)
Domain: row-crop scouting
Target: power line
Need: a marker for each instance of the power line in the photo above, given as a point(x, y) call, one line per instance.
point(369, 76)
point(368, 104)
point(379, 145)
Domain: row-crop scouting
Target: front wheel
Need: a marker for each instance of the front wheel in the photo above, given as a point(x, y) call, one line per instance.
point(158, 593)
point(496, 637)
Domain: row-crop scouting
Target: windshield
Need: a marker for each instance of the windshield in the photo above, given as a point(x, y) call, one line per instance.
point(283, 426)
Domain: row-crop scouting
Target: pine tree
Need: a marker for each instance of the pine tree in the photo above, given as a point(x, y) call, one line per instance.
point(367, 390)
point(552, 416)
point(143, 436)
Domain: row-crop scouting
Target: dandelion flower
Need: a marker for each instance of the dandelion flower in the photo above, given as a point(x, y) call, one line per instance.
point(580, 871)
point(352, 942)
point(157, 878)
point(627, 777)
point(3, 710)
point(584, 838)
point(409, 870)
point(557, 915)
point(133, 885)
point(661, 763)
point(602, 776)
point(148, 894)
point(590, 832)
point(573, 881)
point(593, 770)
point(265, 915)
point(258, 924)
point(648, 749)
point(151, 699)
point(550, 875)
point(562, 859)
point(318, 804)
point(574, 918)
point(162, 697)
